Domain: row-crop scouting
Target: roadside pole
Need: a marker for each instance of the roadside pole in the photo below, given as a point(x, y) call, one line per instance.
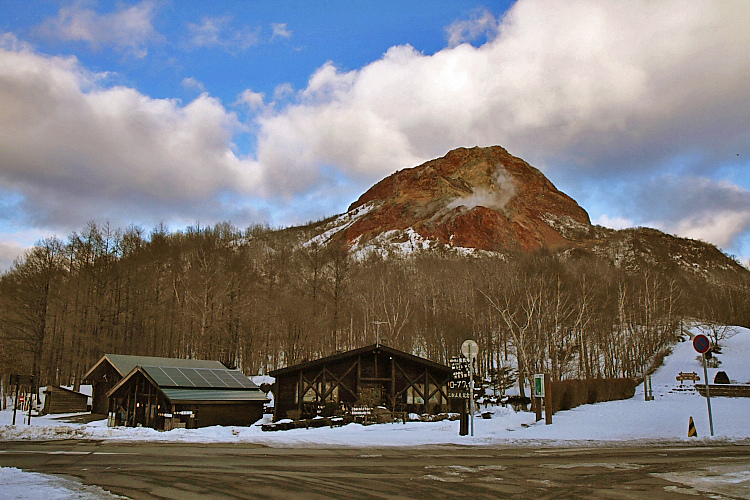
point(471, 396)
point(708, 396)
point(470, 349)
point(702, 345)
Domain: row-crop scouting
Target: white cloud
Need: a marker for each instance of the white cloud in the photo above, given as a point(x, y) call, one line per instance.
point(9, 41)
point(253, 100)
point(218, 32)
point(481, 23)
point(588, 89)
point(9, 251)
point(280, 31)
point(695, 207)
point(595, 86)
point(615, 222)
point(72, 149)
point(282, 91)
point(209, 32)
point(719, 228)
point(129, 29)
point(191, 83)
point(582, 88)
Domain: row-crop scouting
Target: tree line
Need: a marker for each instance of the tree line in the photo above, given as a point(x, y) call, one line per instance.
point(257, 299)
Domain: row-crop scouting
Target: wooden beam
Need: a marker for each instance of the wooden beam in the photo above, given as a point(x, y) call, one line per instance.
point(393, 384)
point(339, 382)
point(410, 382)
point(311, 384)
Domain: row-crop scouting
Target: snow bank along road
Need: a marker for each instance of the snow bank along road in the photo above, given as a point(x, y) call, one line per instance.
point(220, 470)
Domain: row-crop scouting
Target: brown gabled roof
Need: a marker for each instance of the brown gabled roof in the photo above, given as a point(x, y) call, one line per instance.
point(356, 352)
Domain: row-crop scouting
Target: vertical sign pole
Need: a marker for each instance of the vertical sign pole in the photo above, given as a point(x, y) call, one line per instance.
point(547, 400)
point(708, 396)
point(470, 349)
point(471, 394)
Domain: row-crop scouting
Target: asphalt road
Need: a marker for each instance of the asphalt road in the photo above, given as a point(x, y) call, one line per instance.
point(224, 471)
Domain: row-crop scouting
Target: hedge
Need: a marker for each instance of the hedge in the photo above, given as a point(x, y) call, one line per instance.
point(567, 394)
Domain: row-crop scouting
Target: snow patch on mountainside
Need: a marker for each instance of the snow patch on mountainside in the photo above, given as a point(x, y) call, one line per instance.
point(341, 223)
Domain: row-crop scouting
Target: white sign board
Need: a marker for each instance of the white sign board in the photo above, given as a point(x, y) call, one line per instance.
point(469, 349)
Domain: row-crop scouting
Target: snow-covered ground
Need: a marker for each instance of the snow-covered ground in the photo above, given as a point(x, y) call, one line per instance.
point(663, 420)
point(17, 484)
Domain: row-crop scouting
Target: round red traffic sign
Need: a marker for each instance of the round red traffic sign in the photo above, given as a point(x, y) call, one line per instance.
point(701, 343)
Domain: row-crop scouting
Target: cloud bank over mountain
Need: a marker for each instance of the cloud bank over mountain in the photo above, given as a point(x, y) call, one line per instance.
point(637, 109)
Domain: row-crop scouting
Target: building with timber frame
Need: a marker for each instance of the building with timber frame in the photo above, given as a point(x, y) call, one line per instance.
point(395, 379)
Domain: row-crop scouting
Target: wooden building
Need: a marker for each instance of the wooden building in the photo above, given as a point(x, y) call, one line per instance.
point(168, 397)
point(111, 368)
point(62, 400)
point(382, 375)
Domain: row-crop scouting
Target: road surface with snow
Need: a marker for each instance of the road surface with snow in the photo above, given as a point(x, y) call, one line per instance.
point(663, 421)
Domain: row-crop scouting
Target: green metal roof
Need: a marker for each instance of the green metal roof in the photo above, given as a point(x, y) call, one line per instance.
point(218, 395)
point(199, 378)
point(124, 363)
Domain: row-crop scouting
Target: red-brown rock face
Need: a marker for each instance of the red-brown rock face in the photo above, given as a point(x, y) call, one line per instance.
point(481, 198)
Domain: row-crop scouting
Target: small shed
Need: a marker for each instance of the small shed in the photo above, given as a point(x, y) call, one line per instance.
point(62, 400)
point(111, 368)
point(168, 397)
point(384, 376)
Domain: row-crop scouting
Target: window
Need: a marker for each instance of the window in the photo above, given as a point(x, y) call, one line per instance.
point(413, 397)
point(436, 398)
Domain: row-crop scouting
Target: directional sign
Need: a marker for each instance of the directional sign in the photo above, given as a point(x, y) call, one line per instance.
point(458, 389)
point(701, 343)
point(459, 368)
point(469, 349)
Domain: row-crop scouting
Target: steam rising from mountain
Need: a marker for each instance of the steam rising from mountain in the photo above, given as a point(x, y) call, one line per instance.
point(500, 192)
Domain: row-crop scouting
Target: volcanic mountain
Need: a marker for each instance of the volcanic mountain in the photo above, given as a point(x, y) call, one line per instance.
point(485, 199)
point(478, 198)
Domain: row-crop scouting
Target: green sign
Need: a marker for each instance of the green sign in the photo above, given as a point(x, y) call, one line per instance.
point(539, 385)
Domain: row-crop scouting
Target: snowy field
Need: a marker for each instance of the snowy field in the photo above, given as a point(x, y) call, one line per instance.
point(635, 421)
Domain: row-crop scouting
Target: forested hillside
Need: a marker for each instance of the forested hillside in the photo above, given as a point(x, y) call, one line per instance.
point(258, 300)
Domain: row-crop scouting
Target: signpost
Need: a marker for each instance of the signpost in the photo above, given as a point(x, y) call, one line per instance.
point(470, 349)
point(458, 388)
point(540, 389)
point(539, 385)
point(702, 345)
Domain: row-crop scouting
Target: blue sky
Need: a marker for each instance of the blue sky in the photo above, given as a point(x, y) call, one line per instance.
point(283, 112)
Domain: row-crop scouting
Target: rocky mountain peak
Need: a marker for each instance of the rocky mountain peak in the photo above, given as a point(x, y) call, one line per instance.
point(479, 198)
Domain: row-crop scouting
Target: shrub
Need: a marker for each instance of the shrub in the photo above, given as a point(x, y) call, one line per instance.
point(567, 394)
